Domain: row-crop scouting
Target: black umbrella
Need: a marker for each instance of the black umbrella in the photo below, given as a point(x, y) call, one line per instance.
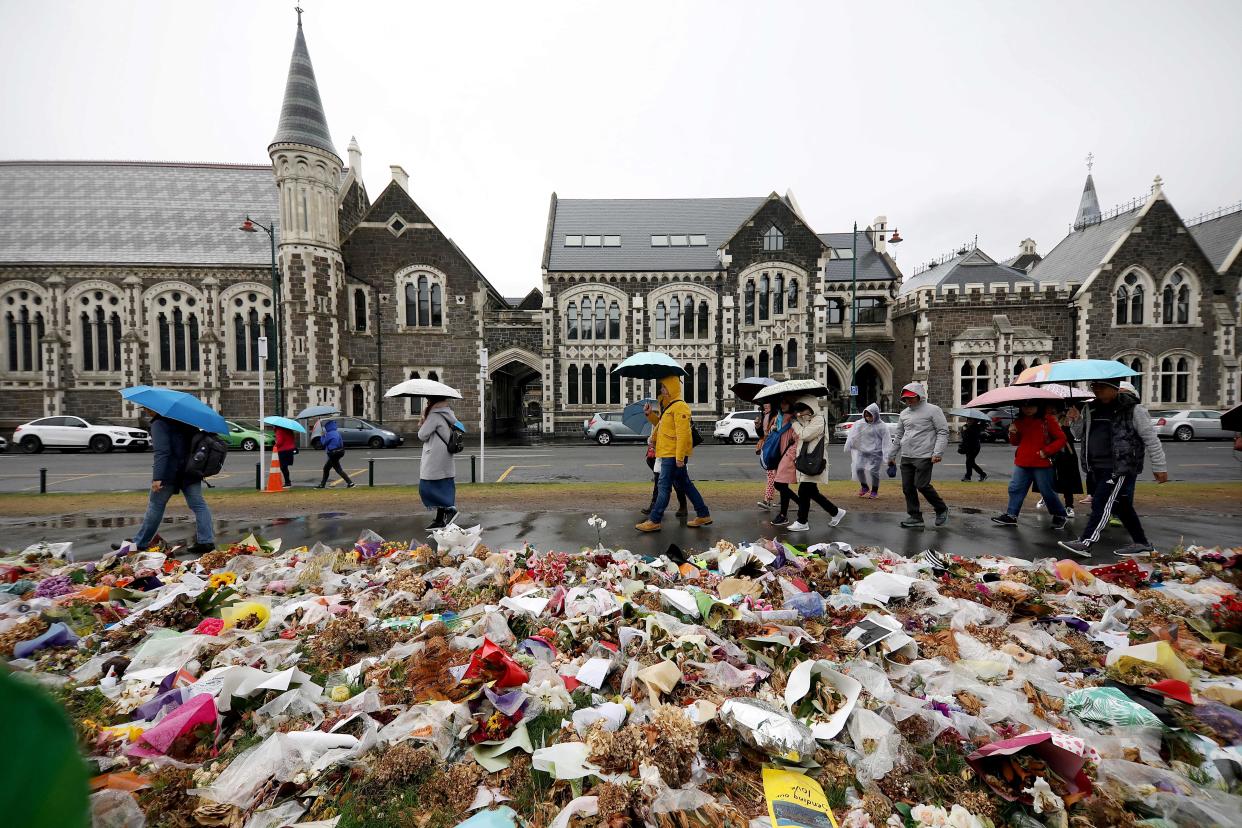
point(1231, 420)
point(747, 389)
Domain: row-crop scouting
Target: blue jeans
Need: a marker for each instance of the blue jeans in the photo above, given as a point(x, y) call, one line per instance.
point(193, 493)
point(671, 476)
point(1043, 479)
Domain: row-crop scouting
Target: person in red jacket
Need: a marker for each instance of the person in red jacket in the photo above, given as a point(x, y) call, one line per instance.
point(286, 447)
point(1038, 437)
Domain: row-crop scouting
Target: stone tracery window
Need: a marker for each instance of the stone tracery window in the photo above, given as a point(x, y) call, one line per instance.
point(424, 300)
point(24, 327)
point(749, 302)
point(778, 294)
point(1175, 299)
point(975, 379)
point(99, 331)
point(1130, 300)
point(250, 316)
point(177, 325)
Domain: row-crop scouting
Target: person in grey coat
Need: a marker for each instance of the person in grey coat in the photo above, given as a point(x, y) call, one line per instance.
point(437, 475)
point(921, 435)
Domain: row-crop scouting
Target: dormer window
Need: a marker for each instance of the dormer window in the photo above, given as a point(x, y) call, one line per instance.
point(573, 241)
point(774, 239)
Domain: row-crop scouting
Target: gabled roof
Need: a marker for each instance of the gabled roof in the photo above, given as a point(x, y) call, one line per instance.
point(132, 212)
point(531, 301)
point(1219, 237)
point(636, 220)
point(969, 268)
point(302, 119)
point(871, 265)
point(1077, 255)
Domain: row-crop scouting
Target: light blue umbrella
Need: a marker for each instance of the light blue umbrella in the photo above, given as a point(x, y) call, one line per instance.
point(177, 405)
point(285, 422)
point(1075, 370)
point(970, 414)
point(318, 411)
point(635, 419)
point(649, 365)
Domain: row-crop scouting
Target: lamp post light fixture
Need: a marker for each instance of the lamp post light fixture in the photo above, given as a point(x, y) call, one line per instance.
point(251, 226)
point(894, 239)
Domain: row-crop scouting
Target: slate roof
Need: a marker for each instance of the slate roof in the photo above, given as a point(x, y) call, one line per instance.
point(126, 212)
point(871, 265)
point(636, 220)
point(1077, 255)
point(972, 267)
point(302, 120)
point(1218, 237)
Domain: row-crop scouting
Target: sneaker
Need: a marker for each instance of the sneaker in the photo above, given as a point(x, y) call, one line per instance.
point(450, 515)
point(966, 479)
point(696, 522)
point(322, 486)
point(1005, 520)
point(942, 517)
point(779, 520)
point(863, 492)
point(982, 477)
point(1079, 548)
point(934, 559)
point(1132, 550)
point(1059, 522)
point(764, 504)
point(873, 495)
point(438, 523)
point(204, 548)
point(1040, 504)
point(912, 523)
point(798, 526)
point(350, 484)
point(836, 519)
point(1069, 513)
point(648, 526)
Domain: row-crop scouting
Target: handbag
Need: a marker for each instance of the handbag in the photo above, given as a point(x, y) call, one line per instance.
point(811, 462)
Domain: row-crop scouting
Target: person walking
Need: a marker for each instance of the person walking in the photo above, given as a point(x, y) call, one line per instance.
point(869, 444)
point(811, 434)
point(922, 435)
point(1066, 478)
point(785, 476)
point(285, 447)
point(1116, 434)
point(1038, 437)
point(655, 484)
point(170, 442)
point(971, 445)
point(768, 419)
point(437, 473)
point(334, 447)
point(674, 443)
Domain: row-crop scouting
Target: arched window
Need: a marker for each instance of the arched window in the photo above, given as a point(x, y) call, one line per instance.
point(774, 239)
point(687, 320)
point(573, 385)
point(763, 297)
point(357, 401)
point(1130, 300)
point(1136, 305)
point(793, 293)
point(251, 318)
point(674, 318)
point(778, 359)
point(614, 321)
point(778, 294)
point(661, 329)
point(748, 369)
point(614, 384)
point(1136, 365)
point(791, 353)
point(571, 321)
point(749, 302)
point(586, 384)
point(983, 378)
point(24, 327)
point(588, 318)
point(703, 382)
point(1018, 368)
point(424, 301)
point(601, 383)
point(703, 319)
point(836, 311)
point(688, 382)
point(1175, 380)
point(177, 327)
point(360, 309)
point(975, 380)
point(1123, 305)
point(437, 306)
point(1175, 300)
point(100, 331)
point(763, 364)
point(601, 318)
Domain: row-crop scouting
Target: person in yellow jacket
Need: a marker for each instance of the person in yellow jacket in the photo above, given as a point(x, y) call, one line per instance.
point(673, 445)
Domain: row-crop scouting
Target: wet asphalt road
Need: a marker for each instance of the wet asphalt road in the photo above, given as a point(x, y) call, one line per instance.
point(567, 461)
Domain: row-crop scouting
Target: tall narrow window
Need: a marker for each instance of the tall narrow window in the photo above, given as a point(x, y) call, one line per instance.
point(437, 306)
point(571, 321)
point(1018, 368)
point(1136, 305)
point(689, 383)
point(1183, 304)
point(967, 382)
point(703, 387)
point(1136, 365)
point(179, 340)
point(778, 294)
point(572, 391)
point(588, 318)
point(774, 239)
point(660, 324)
point(702, 319)
point(871, 311)
point(165, 336)
point(411, 304)
point(749, 301)
point(601, 319)
point(748, 367)
point(763, 364)
point(1183, 380)
point(791, 353)
point(360, 310)
point(194, 356)
point(614, 321)
point(614, 386)
point(601, 384)
point(1166, 380)
point(587, 383)
point(674, 318)
point(1167, 301)
point(778, 359)
point(983, 378)
point(88, 342)
point(1123, 305)
point(424, 301)
point(252, 318)
point(688, 319)
point(416, 403)
point(793, 293)
point(763, 298)
point(836, 311)
point(252, 329)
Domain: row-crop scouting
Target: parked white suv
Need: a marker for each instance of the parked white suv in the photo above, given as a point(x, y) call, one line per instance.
point(72, 434)
point(738, 427)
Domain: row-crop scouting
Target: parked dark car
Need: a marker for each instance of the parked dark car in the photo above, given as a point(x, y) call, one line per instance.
point(998, 429)
point(356, 431)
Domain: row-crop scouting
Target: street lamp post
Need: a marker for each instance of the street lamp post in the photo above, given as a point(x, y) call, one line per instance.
point(894, 239)
point(250, 226)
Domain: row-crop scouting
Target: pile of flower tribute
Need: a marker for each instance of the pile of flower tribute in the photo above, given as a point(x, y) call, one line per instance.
point(453, 682)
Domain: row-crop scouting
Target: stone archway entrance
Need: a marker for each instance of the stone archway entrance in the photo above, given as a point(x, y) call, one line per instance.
point(515, 398)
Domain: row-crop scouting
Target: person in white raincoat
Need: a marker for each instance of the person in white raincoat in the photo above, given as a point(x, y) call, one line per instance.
point(810, 431)
point(869, 444)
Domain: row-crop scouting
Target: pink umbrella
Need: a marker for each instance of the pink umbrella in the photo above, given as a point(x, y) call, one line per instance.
point(1012, 394)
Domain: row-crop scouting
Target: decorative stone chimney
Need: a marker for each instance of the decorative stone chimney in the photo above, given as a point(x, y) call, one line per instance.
point(879, 227)
point(1027, 248)
point(400, 176)
point(355, 158)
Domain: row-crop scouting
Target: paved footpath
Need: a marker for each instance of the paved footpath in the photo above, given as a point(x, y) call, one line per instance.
point(969, 532)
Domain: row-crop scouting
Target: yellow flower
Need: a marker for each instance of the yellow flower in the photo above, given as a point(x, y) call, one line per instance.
point(221, 579)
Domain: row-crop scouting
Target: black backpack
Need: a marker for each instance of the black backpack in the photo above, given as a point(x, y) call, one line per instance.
point(206, 457)
point(456, 440)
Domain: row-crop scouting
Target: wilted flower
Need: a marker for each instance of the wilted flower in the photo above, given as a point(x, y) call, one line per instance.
point(1045, 799)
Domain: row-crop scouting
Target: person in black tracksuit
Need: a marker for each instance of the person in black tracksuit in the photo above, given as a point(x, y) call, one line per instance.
point(971, 445)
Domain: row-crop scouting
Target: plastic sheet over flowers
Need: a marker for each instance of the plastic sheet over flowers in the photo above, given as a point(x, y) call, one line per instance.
point(479, 681)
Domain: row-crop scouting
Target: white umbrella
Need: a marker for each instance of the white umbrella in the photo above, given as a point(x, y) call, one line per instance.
point(423, 388)
point(799, 386)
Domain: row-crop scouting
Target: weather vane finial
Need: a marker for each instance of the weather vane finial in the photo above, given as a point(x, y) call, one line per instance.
point(1090, 161)
point(298, 9)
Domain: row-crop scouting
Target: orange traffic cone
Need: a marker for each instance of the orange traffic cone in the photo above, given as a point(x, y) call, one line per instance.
point(275, 480)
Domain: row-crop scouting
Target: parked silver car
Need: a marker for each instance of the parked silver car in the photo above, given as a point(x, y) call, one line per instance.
point(606, 427)
point(1188, 423)
point(842, 429)
point(738, 427)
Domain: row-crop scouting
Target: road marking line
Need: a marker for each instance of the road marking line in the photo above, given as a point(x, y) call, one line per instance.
point(350, 472)
point(502, 477)
point(755, 464)
point(600, 465)
point(66, 480)
point(1200, 465)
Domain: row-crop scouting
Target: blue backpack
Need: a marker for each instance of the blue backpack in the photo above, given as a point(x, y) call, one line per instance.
point(770, 454)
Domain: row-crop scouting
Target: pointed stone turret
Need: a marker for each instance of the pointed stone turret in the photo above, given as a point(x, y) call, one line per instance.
point(1088, 206)
point(302, 120)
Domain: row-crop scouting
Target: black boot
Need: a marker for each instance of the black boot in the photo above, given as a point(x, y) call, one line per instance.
point(438, 523)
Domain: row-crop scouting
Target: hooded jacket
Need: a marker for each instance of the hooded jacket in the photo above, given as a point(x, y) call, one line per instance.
point(671, 435)
point(808, 433)
point(922, 431)
point(331, 439)
point(1132, 436)
point(869, 438)
point(435, 462)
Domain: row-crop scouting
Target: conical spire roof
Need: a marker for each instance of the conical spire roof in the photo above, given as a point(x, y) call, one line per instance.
point(302, 120)
point(1088, 206)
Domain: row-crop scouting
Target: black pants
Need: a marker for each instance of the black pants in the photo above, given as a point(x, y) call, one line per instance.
point(787, 494)
point(916, 475)
point(806, 493)
point(971, 465)
point(286, 460)
point(1113, 496)
point(334, 462)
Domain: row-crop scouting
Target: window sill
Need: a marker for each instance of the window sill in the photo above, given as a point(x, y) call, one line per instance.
point(431, 330)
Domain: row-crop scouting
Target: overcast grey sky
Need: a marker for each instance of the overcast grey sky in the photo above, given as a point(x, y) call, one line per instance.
point(953, 118)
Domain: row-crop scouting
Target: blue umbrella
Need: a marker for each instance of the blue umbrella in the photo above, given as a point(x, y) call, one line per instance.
point(970, 414)
point(1075, 370)
point(177, 405)
point(318, 411)
point(285, 422)
point(649, 365)
point(635, 419)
